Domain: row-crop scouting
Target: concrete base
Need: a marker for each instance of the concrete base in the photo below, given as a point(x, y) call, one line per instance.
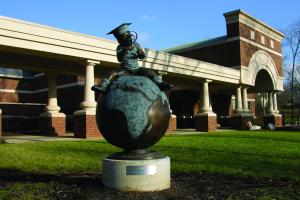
point(206, 122)
point(275, 119)
point(53, 124)
point(136, 175)
point(85, 125)
point(239, 120)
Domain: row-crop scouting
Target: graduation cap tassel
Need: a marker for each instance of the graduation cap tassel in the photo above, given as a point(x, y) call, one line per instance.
point(134, 36)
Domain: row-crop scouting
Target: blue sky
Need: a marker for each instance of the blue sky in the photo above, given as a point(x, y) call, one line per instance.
point(160, 23)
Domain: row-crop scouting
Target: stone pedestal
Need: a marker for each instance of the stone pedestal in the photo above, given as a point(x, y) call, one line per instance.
point(172, 125)
point(275, 119)
point(239, 120)
point(136, 175)
point(206, 122)
point(53, 124)
point(85, 125)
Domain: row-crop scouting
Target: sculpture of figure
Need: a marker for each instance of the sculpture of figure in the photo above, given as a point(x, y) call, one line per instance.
point(128, 54)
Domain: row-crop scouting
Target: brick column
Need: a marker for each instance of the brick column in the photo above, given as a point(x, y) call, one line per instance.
point(85, 125)
point(273, 115)
point(241, 115)
point(173, 120)
point(206, 120)
point(52, 122)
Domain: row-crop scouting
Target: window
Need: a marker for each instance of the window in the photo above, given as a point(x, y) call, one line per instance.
point(262, 39)
point(252, 35)
point(272, 43)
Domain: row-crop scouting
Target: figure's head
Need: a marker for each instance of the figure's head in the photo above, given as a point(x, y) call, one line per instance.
point(122, 34)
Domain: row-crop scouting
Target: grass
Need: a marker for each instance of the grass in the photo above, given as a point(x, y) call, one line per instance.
point(237, 164)
point(241, 153)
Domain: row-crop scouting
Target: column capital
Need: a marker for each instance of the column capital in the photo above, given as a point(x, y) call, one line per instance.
point(207, 81)
point(92, 62)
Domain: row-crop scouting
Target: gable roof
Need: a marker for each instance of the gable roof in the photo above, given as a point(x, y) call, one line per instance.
point(196, 45)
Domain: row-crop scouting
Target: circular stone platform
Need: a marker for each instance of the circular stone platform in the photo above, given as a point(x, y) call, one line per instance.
point(136, 175)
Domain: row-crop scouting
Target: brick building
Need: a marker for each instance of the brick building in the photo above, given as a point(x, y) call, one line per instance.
point(47, 74)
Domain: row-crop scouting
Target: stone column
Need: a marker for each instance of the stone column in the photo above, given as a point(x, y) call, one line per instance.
point(206, 120)
point(272, 116)
point(238, 101)
point(85, 125)
point(245, 100)
point(89, 103)
point(270, 109)
point(241, 116)
point(206, 107)
point(52, 106)
point(52, 122)
point(276, 111)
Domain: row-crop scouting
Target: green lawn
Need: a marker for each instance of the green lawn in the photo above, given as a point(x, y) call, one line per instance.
point(238, 153)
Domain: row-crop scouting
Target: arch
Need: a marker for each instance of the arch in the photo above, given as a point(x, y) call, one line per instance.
point(261, 60)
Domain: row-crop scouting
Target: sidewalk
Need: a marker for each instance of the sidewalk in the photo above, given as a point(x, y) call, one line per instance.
point(21, 138)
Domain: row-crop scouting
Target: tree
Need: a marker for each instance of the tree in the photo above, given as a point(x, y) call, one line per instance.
point(292, 42)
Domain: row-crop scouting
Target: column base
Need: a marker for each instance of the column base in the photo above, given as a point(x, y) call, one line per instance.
point(206, 122)
point(136, 175)
point(172, 125)
point(275, 119)
point(85, 125)
point(239, 120)
point(53, 124)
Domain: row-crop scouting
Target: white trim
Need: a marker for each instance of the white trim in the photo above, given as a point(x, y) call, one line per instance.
point(252, 35)
point(27, 104)
point(254, 44)
point(272, 44)
point(18, 116)
point(41, 90)
point(39, 75)
point(70, 85)
point(249, 100)
point(16, 77)
point(16, 91)
point(262, 39)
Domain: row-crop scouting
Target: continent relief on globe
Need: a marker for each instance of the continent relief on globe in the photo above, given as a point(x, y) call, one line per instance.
point(134, 113)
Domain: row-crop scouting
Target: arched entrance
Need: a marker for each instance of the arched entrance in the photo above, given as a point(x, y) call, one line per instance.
point(266, 82)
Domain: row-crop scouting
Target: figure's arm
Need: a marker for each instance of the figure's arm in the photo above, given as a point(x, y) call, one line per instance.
point(140, 52)
point(121, 52)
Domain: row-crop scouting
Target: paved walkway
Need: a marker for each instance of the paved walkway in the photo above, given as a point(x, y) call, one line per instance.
point(21, 138)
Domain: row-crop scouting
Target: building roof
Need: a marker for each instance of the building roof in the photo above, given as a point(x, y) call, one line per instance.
point(196, 45)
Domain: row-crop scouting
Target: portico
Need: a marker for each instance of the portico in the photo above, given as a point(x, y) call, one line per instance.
point(71, 63)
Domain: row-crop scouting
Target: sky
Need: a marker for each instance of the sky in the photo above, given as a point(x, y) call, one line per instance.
point(160, 24)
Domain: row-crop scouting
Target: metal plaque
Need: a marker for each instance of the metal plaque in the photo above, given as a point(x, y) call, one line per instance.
point(140, 170)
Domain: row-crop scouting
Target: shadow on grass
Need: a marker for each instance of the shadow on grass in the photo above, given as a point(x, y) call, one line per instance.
point(183, 186)
point(84, 179)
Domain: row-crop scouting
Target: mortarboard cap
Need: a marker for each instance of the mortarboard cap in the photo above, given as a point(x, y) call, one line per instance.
point(120, 30)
